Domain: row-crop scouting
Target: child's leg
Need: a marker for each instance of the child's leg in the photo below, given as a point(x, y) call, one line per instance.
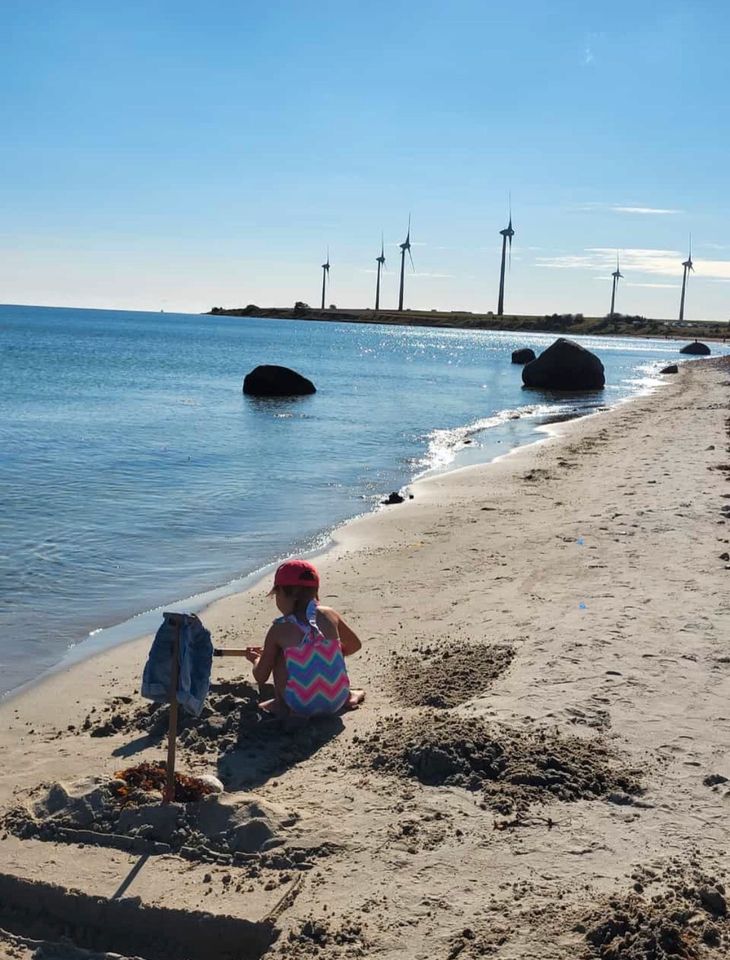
point(279, 677)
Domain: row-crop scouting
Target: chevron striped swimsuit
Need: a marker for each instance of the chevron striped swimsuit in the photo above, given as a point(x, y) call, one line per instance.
point(317, 681)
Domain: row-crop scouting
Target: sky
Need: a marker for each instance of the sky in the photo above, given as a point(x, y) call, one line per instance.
point(182, 155)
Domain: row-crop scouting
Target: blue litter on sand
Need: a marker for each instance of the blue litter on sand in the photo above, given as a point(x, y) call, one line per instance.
point(580, 540)
point(581, 606)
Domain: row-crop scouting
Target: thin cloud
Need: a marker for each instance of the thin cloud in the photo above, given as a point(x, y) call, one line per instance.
point(669, 286)
point(646, 211)
point(433, 276)
point(590, 206)
point(666, 263)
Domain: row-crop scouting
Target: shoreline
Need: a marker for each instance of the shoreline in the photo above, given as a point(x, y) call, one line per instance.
point(142, 625)
point(593, 554)
point(569, 324)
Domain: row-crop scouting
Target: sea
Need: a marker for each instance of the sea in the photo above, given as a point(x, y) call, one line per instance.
point(135, 475)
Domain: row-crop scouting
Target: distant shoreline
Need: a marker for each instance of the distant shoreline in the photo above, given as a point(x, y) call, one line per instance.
point(577, 324)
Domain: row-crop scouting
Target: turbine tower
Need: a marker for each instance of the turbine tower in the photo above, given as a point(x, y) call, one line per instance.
point(325, 275)
point(381, 266)
point(406, 245)
point(617, 275)
point(687, 264)
point(507, 234)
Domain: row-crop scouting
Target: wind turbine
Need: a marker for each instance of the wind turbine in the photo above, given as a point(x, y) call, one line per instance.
point(617, 275)
point(687, 264)
point(325, 275)
point(507, 234)
point(406, 245)
point(381, 266)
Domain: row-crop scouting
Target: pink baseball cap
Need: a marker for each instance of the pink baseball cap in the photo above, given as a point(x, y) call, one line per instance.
point(296, 573)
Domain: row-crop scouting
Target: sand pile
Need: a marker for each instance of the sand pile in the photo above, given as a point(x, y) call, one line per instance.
point(228, 707)
point(324, 939)
point(420, 679)
point(687, 919)
point(215, 829)
point(511, 768)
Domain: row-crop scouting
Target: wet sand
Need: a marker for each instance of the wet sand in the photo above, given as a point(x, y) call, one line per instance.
point(540, 769)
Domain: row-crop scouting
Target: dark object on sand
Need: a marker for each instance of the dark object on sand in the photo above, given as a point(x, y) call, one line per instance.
point(672, 368)
point(565, 365)
point(393, 498)
point(273, 381)
point(697, 348)
point(132, 784)
point(523, 356)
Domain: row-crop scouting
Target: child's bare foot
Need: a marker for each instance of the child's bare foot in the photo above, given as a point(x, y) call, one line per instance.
point(356, 698)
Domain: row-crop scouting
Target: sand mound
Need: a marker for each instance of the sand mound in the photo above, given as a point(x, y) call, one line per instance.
point(420, 679)
point(226, 708)
point(511, 768)
point(219, 828)
point(687, 919)
point(324, 939)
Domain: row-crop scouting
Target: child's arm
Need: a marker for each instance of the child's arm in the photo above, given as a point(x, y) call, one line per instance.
point(348, 638)
point(264, 664)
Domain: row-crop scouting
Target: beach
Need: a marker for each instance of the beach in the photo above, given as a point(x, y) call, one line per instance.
point(541, 764)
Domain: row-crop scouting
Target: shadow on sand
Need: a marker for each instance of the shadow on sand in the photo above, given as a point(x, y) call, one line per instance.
point(266, 746)
point(249, 745)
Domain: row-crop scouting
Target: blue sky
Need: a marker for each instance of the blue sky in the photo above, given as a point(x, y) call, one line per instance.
point(177, 156)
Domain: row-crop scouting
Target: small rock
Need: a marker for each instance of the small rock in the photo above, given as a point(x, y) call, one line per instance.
point(526, 355)
point(696, 348)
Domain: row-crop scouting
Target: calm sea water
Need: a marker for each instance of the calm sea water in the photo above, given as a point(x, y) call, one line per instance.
point(134, 473)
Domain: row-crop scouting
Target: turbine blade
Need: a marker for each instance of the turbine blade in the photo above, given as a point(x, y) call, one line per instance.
point(413, 266)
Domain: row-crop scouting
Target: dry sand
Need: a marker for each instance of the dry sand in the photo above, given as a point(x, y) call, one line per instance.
point(539, 770)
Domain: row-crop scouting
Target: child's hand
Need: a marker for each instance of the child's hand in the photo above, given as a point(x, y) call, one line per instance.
point(253, 654)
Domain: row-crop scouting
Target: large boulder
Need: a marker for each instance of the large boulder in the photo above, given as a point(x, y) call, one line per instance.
point(672, 368)
point(565, 365)
point(700, 349)
point(523, 356)
point(272, 381)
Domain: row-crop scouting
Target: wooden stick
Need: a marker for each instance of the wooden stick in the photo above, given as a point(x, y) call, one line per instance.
point(177, 620)
point(229, 652)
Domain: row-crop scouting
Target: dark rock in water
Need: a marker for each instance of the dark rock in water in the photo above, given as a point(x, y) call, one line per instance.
point(672, 368)
point(523, 356)
point(393, 498)
point(565, 365)
point(273, 381)
point(700, 349)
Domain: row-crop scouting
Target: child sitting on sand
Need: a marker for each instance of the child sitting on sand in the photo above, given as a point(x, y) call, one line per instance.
point(305, 648)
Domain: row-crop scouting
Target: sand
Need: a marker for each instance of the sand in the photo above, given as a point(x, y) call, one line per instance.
point(540, 769)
